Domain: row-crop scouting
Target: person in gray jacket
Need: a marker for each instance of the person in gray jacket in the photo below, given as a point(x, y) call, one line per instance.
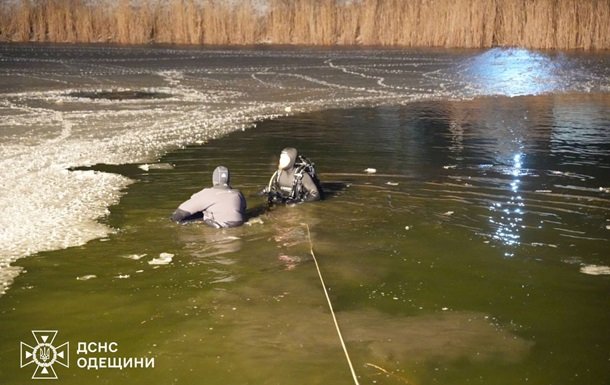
point(221, 205)
point(294, 181)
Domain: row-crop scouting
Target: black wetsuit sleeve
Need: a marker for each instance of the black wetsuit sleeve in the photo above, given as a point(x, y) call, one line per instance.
point(242, 203)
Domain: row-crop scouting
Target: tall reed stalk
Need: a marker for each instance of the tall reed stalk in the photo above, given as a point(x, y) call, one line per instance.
point(549, 24)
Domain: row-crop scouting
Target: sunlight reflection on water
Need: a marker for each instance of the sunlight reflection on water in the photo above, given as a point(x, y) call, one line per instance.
point(513, 72)
point(510, 211)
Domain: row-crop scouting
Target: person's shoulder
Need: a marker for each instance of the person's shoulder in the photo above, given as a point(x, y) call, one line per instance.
point(235, 191)
point(201, 192)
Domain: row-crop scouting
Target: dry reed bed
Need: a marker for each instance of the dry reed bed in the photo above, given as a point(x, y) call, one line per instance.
point(559, 24)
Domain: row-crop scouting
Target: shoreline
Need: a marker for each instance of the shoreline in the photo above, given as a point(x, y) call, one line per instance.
point(304, 47)
point(550, 24)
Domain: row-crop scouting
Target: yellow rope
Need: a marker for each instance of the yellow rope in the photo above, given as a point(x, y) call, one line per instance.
point(330, 305)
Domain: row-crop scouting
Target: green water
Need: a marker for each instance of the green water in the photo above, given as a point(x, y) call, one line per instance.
point(458, 262)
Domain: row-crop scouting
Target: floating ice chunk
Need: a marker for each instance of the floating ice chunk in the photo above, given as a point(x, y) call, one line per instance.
point(255, 221)
point(86, 277)
point(392, 183)
point(448, 213)
point(605, 189)
point(288, 109)
point(122, 276)
point(164, 259)
point(144, 167)
point(448, 166)
point(543, 191)
point(595, 270)
point(135, 257)
point(370, 170)
point(407, 228)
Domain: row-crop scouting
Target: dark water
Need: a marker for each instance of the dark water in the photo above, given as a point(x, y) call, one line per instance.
point(477, 253)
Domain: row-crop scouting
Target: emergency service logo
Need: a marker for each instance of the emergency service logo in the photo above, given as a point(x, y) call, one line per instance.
point(44, 354)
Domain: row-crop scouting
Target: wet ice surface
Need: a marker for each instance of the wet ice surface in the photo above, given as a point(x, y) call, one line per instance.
point(70, 106)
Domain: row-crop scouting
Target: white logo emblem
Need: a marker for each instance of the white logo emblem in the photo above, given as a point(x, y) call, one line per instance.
point(44, 354)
